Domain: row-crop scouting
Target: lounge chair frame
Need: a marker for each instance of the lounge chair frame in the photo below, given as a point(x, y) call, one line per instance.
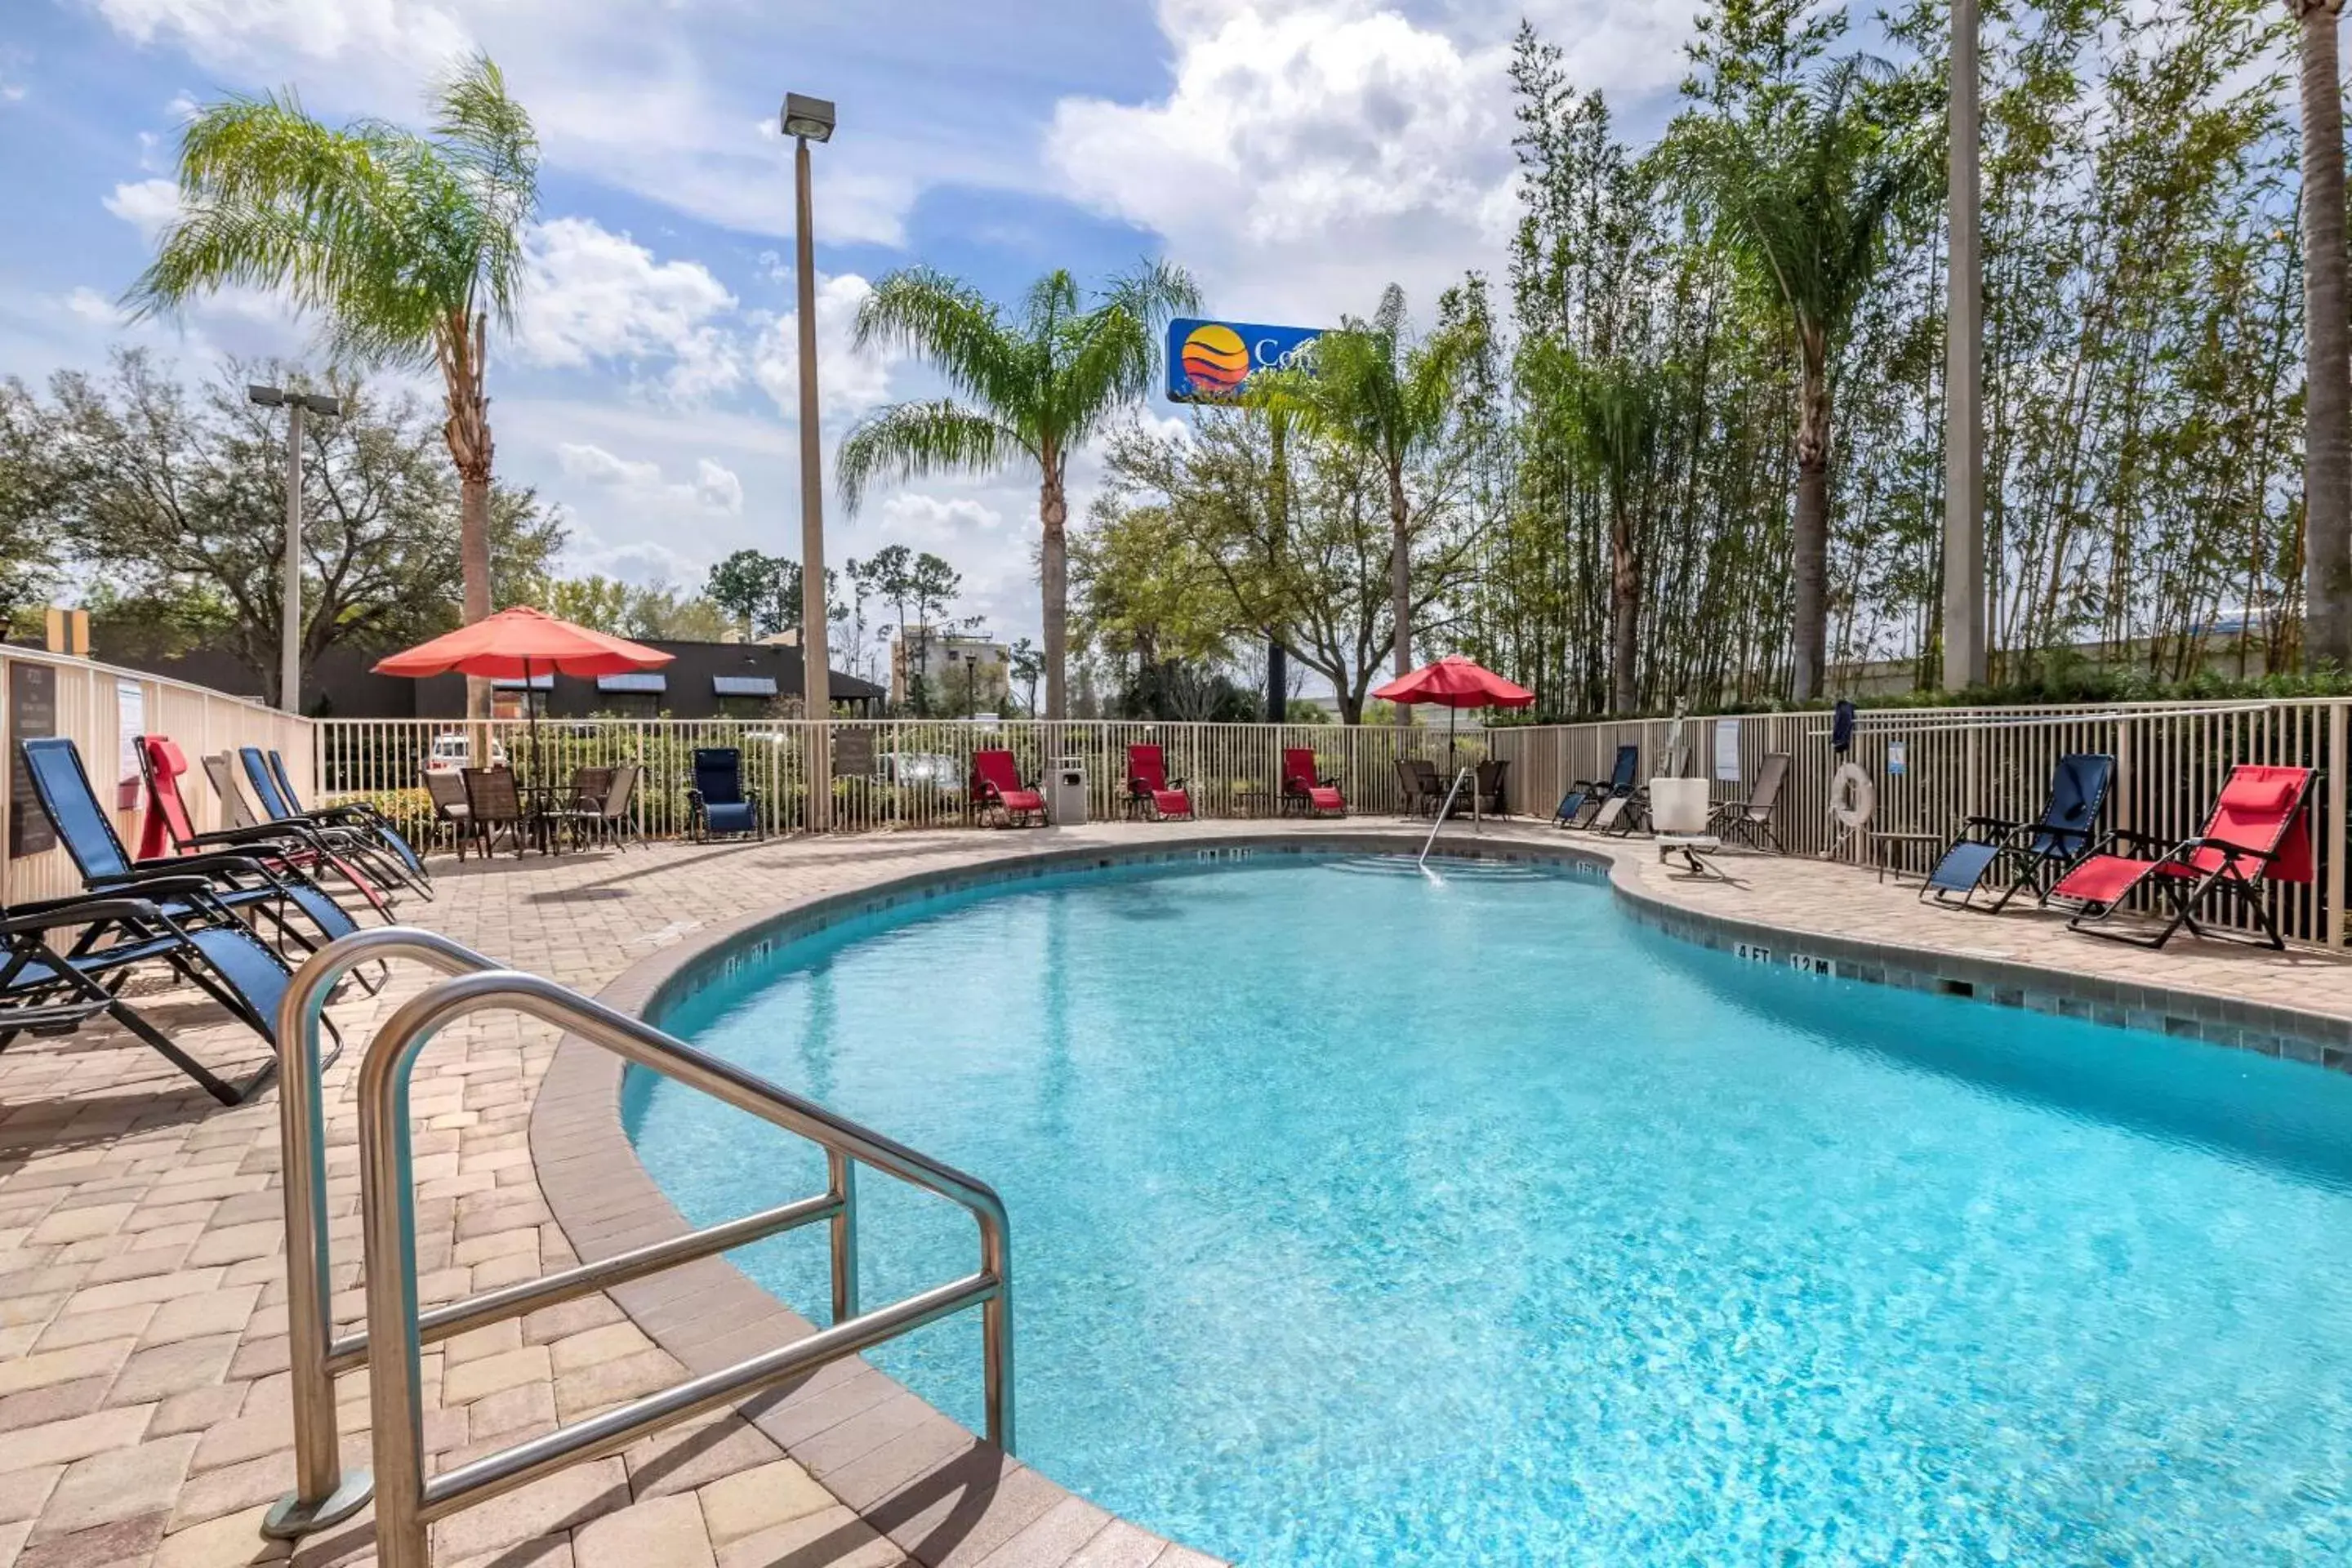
point(2182, 887)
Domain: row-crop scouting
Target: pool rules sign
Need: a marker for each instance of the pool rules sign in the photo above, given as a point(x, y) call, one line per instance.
point(32, 713)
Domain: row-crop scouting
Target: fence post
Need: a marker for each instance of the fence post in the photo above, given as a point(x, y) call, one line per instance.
point(2333, 846)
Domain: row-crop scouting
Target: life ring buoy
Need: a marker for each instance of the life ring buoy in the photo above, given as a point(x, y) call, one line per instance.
point(1853, 797)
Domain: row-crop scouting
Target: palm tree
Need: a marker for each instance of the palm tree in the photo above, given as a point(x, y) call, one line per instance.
point(1035, 384)
point(2327, 349)
point(1375, 389)
point(1805, 194)
point(404, 246)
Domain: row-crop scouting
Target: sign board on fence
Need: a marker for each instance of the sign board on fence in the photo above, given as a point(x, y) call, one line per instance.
point(853, 754)
point(1727, 751)
point(32, 713)
point(1898, 758)
point(130, 724)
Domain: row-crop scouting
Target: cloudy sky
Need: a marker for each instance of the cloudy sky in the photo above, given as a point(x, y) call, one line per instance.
point(1294, 155)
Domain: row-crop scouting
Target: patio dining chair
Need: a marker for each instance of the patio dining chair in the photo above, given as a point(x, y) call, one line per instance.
point(1417, 792)
point(581, 812)
point(450, 807)
point(1492, 776)
point(493, 806)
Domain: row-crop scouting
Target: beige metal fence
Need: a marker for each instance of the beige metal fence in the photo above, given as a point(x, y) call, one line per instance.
point(102, 707)
point(885, 772)
point(1933, 768)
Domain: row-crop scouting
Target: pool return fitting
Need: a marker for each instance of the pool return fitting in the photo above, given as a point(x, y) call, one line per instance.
point(407, 1501)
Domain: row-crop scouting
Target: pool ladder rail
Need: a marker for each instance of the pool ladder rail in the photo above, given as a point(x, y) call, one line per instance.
point(408, 1502)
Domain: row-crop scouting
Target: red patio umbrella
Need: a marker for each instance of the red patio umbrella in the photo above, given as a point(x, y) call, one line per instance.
point(1455, 682)
point(523, 642)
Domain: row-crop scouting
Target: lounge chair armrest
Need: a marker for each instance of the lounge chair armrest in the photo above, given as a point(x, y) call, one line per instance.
point(2134, 836)
point(2003, 822)
point(193, 867)
point(274, 833)
point(2233, 851)
point(55, 912)
point(694, 797)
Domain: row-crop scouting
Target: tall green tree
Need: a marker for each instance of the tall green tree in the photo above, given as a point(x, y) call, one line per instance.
point(405, 247)
point(1394, 399)
point(1805, 188)
point(1033, 385)
point(174, 501)
point(1617, 412)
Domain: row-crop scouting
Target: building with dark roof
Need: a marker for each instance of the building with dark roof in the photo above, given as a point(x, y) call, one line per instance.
point(702, 680)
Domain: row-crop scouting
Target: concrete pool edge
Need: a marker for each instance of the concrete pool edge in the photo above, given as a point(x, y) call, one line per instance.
point(921, 1480)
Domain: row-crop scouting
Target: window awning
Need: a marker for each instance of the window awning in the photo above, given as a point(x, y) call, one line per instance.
point(650, 680)
point(514, 683)
point(744, 685)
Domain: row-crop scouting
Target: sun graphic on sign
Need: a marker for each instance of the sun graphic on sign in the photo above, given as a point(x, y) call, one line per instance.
point(1214, 359)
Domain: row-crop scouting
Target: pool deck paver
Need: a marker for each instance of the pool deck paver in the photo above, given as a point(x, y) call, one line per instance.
point(143, 1395)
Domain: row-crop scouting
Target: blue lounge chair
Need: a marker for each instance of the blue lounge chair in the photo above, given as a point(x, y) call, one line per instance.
point(355, 840)
point(1620, 786)
point(2002, 858)
point(356, 814)
point(51, 985)
point(719, 803)
point(232, 882)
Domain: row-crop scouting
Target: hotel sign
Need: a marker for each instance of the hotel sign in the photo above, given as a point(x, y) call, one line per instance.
point(1210, 361)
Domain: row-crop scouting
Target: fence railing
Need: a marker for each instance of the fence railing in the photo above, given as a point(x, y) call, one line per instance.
point(909, 772)
point(1933, 768)
point(102, 707)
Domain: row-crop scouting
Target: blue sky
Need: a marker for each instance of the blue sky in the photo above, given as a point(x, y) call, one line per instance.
point(1294, 155)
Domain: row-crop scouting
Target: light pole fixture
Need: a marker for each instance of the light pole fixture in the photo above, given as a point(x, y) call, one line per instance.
point(807, 119)
point(290, 631)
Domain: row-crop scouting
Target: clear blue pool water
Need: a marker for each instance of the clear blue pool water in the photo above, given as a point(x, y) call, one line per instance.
point(1365, 1218)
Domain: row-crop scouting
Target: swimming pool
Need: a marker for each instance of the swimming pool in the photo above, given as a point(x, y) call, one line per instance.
point(1362, 1217)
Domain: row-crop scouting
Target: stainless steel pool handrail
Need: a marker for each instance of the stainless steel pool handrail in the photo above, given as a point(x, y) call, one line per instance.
point(323, 1495)
point(1443, 812)
point(406, 1501)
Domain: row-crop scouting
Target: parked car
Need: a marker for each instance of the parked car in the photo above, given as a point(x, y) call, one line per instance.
point(452, 751)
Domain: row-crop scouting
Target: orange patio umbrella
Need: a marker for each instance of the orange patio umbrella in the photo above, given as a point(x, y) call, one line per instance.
point(1453, 683)
point(523, 642)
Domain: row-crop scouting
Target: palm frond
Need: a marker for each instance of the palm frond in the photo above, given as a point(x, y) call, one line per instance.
point(490, 139)
point(959, 333)
point(916, 440)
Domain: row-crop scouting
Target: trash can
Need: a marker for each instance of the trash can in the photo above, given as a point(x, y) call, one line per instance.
point(1065, 792)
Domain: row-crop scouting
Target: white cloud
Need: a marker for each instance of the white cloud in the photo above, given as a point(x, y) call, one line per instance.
point(92, 306)
point(1306, 152)
point(599, 297)
point(147, 206)
point(715, 490)
point(848, 383)
point(928, 522)
point(250, 31)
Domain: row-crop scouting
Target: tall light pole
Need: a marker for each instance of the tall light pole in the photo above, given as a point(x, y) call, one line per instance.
point(1964, 585)
point(808, 120)
point(289, 630)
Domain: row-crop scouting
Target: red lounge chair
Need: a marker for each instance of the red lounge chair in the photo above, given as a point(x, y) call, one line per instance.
point(997, 791)
point(1302, 791)
point(2259, 832)
point(1148, 785)
point(168, 829)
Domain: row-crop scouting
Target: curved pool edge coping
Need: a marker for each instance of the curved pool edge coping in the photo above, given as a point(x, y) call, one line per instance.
point(921, 1480)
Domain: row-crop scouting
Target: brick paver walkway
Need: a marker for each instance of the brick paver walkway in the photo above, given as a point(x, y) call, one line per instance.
point(143, 1413)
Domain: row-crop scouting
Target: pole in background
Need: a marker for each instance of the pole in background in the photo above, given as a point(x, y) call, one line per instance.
point(810, 120)
point(1277, 657)
point(290, 570)
point(1964, 607)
